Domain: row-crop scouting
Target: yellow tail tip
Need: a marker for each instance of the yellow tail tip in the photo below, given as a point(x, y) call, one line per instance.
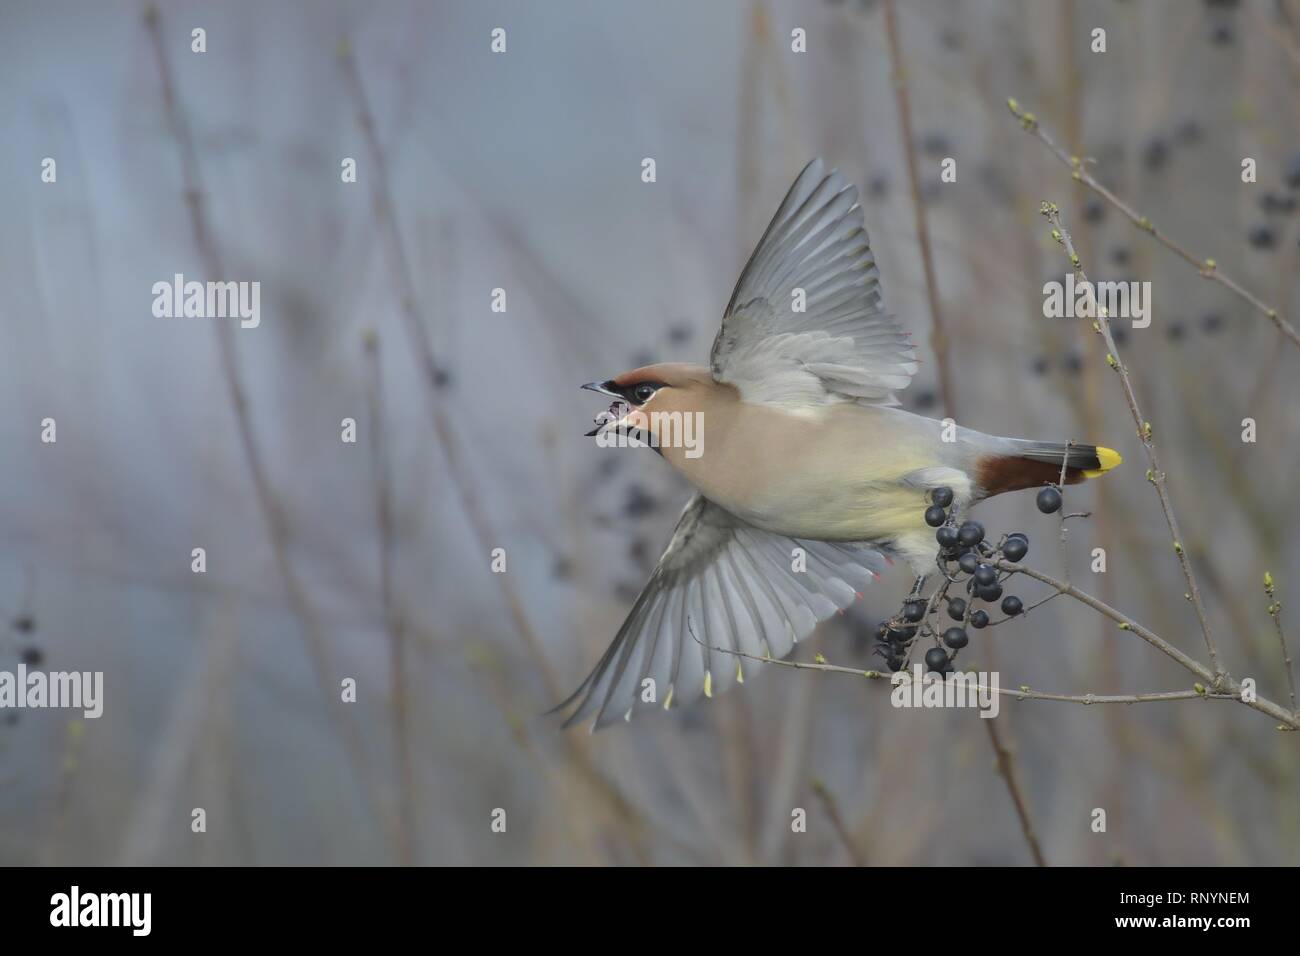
point(1108, 457)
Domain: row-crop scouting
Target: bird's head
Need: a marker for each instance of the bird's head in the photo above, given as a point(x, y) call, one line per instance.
point(646, 397)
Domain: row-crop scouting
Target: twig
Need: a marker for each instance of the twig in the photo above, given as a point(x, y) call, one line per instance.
point(1281, 34)
point(1006, 767)
point(1155, 475)
point(397, 631)
point(1226, 689)
point(938, 333)
point(832, 809)
point(1022, 692)
point(268, 503)
point(1275, 612)
point(74, 732)
point(1206, 268)
point(1060, 487)
point(423, 349)
point(385, 213)
point(1230, 691)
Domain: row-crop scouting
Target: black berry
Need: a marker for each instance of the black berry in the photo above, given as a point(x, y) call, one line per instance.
point(985, 575)
point(970, 533)
point(1013, 549)
point(936, 659)
point(1277, 203)
point(979, 619)
point(1155, 154)
point(942, 497)
point(913, 611)
point(956, 638)
point(935, 143)
point(900, 635)
point(935, 516)
point(1049, 500)
point(1262, 237)
point(990, 593)
point(946, 536)
point(1012, 605)
point(957, 608)
point(1188, 132)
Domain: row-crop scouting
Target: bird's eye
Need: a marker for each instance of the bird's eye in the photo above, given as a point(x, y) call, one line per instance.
point(643, 393)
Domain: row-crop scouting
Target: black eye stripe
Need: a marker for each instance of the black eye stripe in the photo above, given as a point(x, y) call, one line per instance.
point(630, 391)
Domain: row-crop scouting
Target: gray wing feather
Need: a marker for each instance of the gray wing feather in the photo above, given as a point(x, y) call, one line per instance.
point(733, 584)
point(844, 346)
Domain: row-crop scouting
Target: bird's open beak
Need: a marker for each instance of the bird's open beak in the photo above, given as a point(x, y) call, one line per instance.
point(605, 388)
point(621, 416)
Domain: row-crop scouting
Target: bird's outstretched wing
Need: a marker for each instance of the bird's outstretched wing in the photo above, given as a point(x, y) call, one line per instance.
point(843, 346)
point(735, 587)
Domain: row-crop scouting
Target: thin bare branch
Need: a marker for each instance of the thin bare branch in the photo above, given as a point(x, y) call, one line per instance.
point(832, 809)
point(1275, 612)
point(938, 331)
point(269, 505)
point(1022, 692)
point(1227, 688)
point(1230, 689)
point(1206, 268)
point(462, 481)
point(396, 625)
point(1007, 768)
point(1155, 474)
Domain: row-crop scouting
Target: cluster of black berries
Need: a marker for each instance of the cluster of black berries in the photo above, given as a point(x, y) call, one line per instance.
point(966, 558)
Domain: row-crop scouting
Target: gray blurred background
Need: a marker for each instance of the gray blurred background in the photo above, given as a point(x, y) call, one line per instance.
point(522, 171)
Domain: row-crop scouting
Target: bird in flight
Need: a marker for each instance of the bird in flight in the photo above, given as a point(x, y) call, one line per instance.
point(807, 474)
